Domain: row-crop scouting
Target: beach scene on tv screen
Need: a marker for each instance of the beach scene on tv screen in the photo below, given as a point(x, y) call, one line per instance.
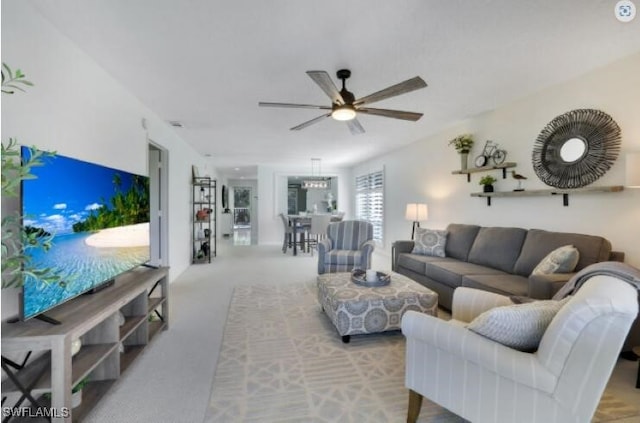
point(98, 219)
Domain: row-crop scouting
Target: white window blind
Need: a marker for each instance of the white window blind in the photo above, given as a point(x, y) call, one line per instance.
point(370, 201)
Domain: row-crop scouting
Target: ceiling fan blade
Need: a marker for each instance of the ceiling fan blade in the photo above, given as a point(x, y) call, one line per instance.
point(355, 127)
point(293, 105)
point(392, 91)
point(326, 84)
point(310, 122)
point(396, 114)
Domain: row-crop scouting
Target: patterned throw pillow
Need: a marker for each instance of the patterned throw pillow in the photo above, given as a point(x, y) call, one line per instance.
point(519, 326)
point(561, 260)
point(429, 242)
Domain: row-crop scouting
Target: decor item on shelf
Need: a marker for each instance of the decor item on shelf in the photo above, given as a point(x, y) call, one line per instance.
point(329, 198)
point(76, 344)
point(195, 172)
point(416, 212)
point(487, 182)
point(203, 214)
point(490, 152)
point(518, 178)
point(76, 393)
point(462, 144)
point(632, 179)
point(576, 148)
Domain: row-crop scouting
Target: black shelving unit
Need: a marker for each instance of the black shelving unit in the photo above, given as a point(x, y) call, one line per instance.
point(204, 234)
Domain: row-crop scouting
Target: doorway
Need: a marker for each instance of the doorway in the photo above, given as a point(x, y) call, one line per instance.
point(243, 202)
point(242, 207)
point(159, 204)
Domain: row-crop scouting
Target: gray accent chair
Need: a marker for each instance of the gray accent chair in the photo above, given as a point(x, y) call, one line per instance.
point(348, 245)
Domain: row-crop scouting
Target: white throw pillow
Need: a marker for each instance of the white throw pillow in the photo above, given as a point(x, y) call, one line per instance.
point(519, 326)
point(429, 242)
point(561, 260)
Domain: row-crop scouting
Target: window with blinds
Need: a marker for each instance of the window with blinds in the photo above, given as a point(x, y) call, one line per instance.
point(370, 201)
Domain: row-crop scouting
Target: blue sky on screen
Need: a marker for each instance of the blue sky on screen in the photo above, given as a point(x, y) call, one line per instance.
point(66, 190)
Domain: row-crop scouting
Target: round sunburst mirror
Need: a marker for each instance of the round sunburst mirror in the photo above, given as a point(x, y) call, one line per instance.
point(576, 148)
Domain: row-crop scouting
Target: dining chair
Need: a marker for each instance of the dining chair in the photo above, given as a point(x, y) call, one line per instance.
point(317, 230)
point(288, 233)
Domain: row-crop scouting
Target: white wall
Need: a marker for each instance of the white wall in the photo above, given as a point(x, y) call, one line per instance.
point(78, 110)
point(421, 172)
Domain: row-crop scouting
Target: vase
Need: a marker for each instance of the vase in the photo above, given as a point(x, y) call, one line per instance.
point(463, 160)
point(487, 188)
point(76, 398)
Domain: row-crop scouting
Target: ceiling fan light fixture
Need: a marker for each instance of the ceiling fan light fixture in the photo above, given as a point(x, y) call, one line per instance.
point(342, 113)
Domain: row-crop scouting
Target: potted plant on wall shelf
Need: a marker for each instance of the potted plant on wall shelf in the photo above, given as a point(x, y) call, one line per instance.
point(487, 183)
point(462, 144)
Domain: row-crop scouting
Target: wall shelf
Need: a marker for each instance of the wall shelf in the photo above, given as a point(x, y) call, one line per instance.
point(504, 166)
point(546, 192)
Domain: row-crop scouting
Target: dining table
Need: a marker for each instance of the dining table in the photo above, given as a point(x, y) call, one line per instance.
point(303, 221)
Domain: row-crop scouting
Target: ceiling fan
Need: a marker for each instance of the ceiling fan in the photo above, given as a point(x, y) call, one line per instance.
point(344, 105)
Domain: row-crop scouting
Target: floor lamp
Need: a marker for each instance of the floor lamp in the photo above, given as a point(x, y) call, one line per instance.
point(415, 212)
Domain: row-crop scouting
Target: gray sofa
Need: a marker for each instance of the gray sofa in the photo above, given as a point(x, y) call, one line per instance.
point(497, 259)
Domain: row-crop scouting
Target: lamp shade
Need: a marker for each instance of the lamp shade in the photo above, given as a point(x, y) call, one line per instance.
point(632, 179)
point(416, 212)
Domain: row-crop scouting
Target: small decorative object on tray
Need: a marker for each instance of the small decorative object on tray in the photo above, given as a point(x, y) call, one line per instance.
point(359, 277)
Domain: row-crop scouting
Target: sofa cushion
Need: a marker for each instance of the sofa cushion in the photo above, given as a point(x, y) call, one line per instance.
point(497, 247)
point(430, 242)
point(539, 243)
point(503, 283)
point(518, 326)
point(560, 260)
point(459, 240)
point(451, 272)
point(416, 262)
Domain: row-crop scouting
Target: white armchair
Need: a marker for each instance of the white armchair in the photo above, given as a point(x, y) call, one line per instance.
point(484, 381)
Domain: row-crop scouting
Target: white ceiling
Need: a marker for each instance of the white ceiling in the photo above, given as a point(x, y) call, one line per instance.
point(207, 63)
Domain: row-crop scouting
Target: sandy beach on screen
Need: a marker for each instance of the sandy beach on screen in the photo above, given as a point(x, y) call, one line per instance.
point(123, 236)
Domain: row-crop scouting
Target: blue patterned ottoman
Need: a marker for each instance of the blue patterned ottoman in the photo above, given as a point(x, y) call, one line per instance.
point(355, 309)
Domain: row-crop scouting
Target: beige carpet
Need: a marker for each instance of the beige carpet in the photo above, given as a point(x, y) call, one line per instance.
point(282, 361)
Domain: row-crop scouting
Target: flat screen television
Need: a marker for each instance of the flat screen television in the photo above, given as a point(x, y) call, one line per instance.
point(98, 218)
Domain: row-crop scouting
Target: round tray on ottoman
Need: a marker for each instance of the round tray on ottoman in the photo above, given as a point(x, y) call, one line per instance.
point(358, 276)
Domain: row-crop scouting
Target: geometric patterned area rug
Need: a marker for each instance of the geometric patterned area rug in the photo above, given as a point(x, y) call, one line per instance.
point(281, 360)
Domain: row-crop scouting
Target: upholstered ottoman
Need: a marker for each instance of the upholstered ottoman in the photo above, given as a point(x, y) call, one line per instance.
point(355, 309)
